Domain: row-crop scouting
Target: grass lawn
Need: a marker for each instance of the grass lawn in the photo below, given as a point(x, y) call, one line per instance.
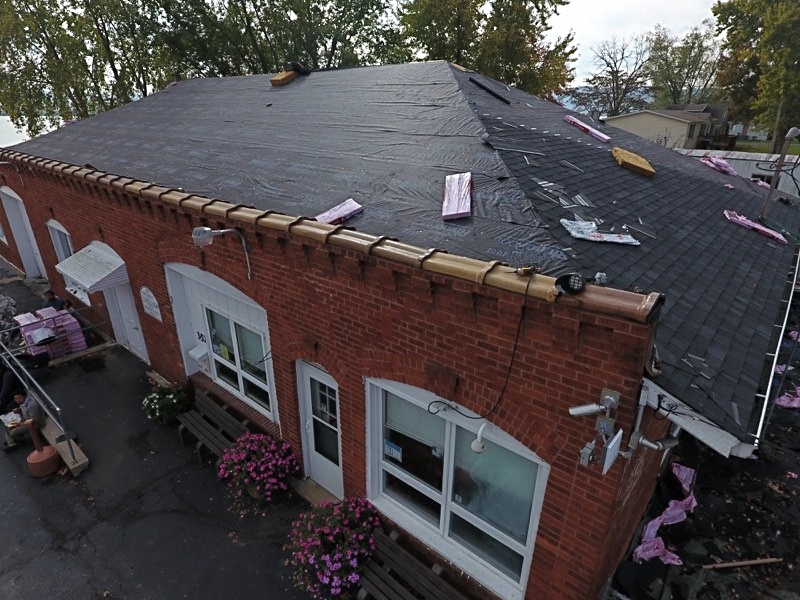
point(763, 147)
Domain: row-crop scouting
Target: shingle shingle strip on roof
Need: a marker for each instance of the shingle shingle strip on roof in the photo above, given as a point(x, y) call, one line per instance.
point(387, 136)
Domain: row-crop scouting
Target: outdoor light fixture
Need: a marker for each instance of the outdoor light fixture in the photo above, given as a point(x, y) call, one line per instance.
point(608, 399)
point(790, 135)
point(571, 283)
point(637, 439)
point(478, 445)
point(204, 236)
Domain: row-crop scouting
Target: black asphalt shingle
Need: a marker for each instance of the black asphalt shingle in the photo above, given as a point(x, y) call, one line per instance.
point(387, 137)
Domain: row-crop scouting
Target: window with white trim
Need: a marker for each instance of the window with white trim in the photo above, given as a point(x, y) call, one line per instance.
point(3, 237)
point(238, 358)
point(62, 244)
point(479, 510)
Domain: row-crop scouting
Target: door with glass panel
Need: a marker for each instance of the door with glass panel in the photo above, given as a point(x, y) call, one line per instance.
point(322, 441)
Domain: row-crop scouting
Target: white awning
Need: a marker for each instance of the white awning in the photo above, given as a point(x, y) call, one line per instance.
point(94, 269)
point(693, 422)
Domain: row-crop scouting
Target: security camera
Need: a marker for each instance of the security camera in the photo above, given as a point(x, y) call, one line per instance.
point(586, 410)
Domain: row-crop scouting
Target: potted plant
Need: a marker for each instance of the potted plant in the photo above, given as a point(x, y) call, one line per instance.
point(256, 470)
point(329, 544)
point(164, 403)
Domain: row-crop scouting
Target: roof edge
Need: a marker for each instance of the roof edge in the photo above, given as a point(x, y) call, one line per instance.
point(608, 301)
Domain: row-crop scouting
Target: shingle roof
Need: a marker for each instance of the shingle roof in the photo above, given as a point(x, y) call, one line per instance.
point(387, 137)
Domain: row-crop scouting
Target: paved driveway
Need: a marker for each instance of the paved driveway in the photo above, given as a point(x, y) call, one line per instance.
point(144, 522)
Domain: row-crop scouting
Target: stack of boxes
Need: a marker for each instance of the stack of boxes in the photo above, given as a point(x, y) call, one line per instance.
point(67, 329)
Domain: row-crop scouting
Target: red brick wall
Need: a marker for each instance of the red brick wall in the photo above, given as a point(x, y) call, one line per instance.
point(359, 316)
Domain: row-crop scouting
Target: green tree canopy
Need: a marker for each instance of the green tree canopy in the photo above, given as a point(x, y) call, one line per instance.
point(761, 61)
point(683, 69)
point(513, 50)
point(443, 29)
point(507, 43)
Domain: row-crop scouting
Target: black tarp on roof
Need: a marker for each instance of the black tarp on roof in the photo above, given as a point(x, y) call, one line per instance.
point(387, 137)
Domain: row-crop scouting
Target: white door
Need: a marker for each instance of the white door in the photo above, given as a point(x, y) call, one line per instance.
point(21, 230)
point(125, 320)
point(322, 441)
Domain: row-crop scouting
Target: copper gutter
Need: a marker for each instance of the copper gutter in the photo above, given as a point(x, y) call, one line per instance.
point(607, 301)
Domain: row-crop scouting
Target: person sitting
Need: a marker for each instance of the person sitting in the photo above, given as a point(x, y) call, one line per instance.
point(51, 300)
point(30, 414)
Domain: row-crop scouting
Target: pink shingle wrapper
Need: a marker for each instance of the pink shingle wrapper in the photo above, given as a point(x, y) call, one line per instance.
point(598, 135)
point(340, 212)
point(457, 196)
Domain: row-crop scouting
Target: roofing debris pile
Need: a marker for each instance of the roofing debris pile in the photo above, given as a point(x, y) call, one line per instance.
point(735, 533)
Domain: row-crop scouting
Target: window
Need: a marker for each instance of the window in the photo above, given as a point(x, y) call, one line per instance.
point(477, 509)
point(62, 244)
point(3, 237)
point(239, 358)
point(691, 131)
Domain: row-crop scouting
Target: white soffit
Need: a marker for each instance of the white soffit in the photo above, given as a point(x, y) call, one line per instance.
point(94, 269)
point(693, 422)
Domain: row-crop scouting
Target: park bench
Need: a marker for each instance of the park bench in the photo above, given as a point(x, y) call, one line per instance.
point(393, 573)
point(211, 424)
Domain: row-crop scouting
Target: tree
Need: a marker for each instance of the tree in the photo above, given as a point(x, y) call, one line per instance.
point(62, 61)
point(443, 29)
point(683, 70)
point(761, 61)
point(512, 48)
point(621, 82)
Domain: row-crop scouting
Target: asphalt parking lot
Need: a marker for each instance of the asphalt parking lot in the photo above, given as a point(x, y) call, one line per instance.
point(145, 521)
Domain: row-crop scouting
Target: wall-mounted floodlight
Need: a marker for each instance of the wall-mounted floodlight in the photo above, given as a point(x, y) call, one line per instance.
point(637, 439)
point(478, 445)
point(204, 236)
point(586, 410)
point(572, 283)
point(608, 399)
point(790, 135)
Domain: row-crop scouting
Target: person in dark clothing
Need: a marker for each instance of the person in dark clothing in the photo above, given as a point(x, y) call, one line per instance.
point(8, 382)
point(51, 300)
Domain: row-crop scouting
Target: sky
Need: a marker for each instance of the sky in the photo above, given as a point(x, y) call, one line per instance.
point(8, 134)
point(594, 21)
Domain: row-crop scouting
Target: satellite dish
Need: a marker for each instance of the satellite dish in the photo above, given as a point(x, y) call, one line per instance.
point(611, 451)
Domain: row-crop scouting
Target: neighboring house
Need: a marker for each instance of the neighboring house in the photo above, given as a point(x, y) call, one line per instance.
point(670, 128)
point(382, 347)
point(744, 131)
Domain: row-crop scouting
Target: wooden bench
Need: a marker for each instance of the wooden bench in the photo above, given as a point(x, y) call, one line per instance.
point(214, 428)
point(393, 573)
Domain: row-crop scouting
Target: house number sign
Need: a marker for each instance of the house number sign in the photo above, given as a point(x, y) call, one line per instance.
point(150, 303)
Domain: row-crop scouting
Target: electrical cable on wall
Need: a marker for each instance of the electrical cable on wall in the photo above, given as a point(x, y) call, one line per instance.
point(530, 273)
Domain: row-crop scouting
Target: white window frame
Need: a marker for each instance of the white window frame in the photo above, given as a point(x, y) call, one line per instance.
point(267, 386)
point(3, 237)
point(432, 535)
point(56, 231)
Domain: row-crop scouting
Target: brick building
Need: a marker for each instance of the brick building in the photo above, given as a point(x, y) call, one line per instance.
point(383, 347)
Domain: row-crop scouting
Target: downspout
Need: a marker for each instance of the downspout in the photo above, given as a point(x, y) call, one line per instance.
point(762, 420)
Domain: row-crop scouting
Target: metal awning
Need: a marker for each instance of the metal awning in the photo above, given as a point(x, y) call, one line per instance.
point(94, 269)
point(693, 422)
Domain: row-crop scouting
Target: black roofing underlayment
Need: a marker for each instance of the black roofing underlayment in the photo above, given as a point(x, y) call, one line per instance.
point(387, 136)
